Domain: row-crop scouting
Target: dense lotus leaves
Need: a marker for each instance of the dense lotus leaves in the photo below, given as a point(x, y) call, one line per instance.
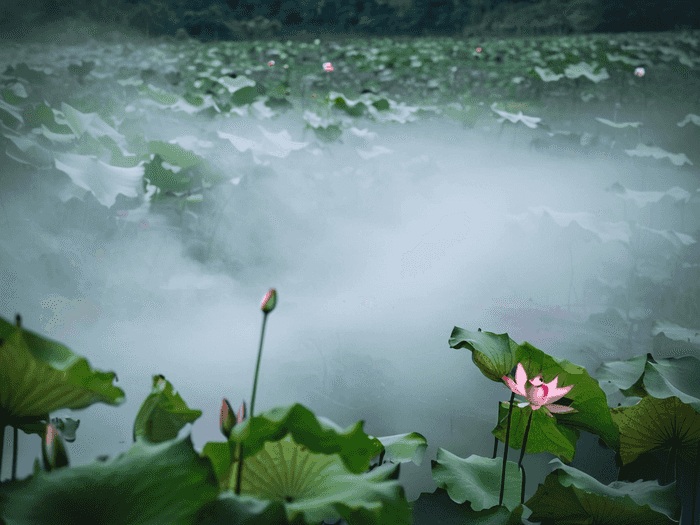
point(545, 434)
point(571, 496)
point(497, 354)
point(147, 485)
point(353, 446)
point(90, 123)
point(316, 485)
point(320, 473)
point(28, 151)
point(163, 413)
point(42, 376)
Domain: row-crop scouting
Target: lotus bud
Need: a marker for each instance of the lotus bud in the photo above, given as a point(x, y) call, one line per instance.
point(53, 451)
point(269, 301)
point(227, 419)
point(241, 413)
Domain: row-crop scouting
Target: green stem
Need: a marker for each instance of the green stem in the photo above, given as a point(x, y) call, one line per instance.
point(505, 451)
point(495, 439)
point(2, 445)
point(14, 453)
point(252, 402)
point(695, 488)
point(522, 453)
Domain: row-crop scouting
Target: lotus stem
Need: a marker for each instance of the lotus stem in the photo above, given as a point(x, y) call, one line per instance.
point(522, 453)
point(268, 304)
point(2, 445)
point(694, 490)
point(14, 453)
point(505, 451)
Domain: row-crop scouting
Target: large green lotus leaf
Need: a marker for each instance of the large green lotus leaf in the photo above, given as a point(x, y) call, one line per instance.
point(163, 413)
point(674, 377)
point(320, 487)
point(555, 503)
point(659, 498)
point(39, 376)
point(402, 448)
point(103, 180)
point(477, 480)
point(174, 154)
point(494, 354)
point(147, 485)
point(658, 424)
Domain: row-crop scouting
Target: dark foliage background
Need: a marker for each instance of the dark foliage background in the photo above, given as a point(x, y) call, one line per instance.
point(281, 19)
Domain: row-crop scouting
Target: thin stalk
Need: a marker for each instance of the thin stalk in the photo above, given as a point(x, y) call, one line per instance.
point(14, 453)
point(522, 453)
point(694, 490)
point(505, 451)
point(2, 445)
point(495, 439)
point(671, 476)
point(252, 402)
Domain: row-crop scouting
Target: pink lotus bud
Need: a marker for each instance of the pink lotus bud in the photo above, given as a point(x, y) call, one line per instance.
point(328, 66)
point(227, 419)
point(52, 450)
point(241, 413)
point(269, 301)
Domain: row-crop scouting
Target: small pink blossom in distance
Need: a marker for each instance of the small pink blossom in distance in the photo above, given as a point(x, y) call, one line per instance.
point(478, 49)
point(639, 71)
point(271, 63)
point(540, 394)
point(328, 66)
point(122, 213)
point(269, 301)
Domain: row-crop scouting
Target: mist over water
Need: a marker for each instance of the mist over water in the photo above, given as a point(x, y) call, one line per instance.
point(374, 261)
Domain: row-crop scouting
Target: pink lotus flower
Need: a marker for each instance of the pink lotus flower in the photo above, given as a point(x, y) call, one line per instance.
point(540, 394)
